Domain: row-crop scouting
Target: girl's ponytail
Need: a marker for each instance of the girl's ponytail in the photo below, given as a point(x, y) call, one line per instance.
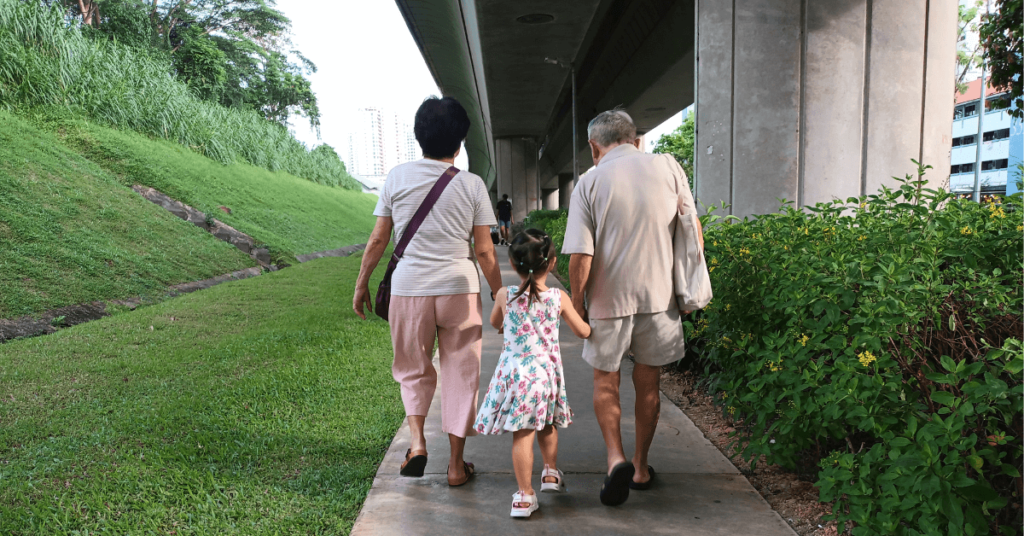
point(531, 252)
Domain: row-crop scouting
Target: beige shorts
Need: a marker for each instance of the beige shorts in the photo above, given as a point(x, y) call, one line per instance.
point(655, 339)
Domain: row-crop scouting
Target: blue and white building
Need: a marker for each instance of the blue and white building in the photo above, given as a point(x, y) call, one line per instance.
point(1000, 143)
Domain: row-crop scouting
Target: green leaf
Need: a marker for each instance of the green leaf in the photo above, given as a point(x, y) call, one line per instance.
point(943, 397)
point(979, 492)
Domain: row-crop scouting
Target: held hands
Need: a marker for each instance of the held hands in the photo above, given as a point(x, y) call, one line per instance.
point(360, 299)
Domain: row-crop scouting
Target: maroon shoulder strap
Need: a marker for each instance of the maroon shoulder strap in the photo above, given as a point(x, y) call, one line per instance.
point(421, 213)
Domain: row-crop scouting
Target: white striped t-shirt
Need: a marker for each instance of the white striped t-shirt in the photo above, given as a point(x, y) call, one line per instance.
point(439, 259)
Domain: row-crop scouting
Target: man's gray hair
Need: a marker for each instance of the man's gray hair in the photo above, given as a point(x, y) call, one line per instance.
point(612, 127)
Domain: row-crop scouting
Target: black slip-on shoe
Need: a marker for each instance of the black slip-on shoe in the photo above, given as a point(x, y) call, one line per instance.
point(643, 485)
point(615, 490)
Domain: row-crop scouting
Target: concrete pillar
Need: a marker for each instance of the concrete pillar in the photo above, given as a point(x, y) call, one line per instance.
point(550, 199)
point(516, 162)
point(565, 187)
point(811, 101)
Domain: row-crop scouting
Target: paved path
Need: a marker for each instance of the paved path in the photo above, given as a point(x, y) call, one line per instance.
point(698, 491)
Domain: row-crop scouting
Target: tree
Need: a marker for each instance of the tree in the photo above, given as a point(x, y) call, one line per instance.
point(967, 57)
point(679, 144)
point(1001, 33)
point(234, 52)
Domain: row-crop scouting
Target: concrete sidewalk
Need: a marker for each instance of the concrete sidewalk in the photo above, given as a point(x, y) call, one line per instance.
point(697, 491)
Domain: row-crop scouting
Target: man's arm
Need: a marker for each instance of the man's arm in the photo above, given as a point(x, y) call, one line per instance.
point(484, 249)
point(579, 276)
point(375, 247)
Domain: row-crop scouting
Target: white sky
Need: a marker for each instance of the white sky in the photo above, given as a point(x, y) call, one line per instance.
point(366, 57)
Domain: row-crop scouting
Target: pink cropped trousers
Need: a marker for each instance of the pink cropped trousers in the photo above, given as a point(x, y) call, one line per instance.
point(456, 323)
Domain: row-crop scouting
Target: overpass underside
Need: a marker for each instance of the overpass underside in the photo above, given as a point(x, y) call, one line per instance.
point(800, 100)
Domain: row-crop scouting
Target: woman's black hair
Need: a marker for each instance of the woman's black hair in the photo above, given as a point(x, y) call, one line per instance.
point(440, 127)
point(532, 253)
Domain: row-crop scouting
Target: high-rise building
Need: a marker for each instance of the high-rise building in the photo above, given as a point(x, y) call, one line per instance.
point(995, 142)
point(380, 140)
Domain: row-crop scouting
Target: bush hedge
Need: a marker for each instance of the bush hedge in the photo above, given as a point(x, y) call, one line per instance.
point(880, 336)
point(553, 222)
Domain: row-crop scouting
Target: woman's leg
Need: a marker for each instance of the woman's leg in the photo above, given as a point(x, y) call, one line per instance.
point(459, 337)
point(522, 459)
point(548, 439)
point(412, 337)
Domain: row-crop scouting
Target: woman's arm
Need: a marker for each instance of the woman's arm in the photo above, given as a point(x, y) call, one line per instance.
point(485, 256)
point(498, 311)
point(375, 247)
point(575, 321)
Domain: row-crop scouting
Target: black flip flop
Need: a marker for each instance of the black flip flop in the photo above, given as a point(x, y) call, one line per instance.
point(414, 465)
point(615, 490)
point(643, 485)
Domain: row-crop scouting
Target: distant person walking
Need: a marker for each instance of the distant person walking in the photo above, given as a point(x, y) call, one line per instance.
point(619, 236)
point(505, 219)
point(435, 289)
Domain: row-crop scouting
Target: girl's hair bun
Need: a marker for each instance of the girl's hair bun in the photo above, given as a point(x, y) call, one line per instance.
point(531, 252)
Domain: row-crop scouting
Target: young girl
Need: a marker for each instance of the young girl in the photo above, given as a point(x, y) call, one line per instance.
point(527, 393)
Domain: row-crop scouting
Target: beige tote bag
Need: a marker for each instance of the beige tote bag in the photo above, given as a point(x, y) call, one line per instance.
point(690, 269)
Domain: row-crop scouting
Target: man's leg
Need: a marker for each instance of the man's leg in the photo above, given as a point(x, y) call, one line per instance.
point(647, 382)
point(609, 413)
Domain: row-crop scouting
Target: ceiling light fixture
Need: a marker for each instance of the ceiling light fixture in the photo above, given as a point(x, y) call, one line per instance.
point(535, 18)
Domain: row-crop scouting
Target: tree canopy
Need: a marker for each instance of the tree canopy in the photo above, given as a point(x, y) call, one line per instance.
point(1001, 35)
point(679, 144)
point(237, 53)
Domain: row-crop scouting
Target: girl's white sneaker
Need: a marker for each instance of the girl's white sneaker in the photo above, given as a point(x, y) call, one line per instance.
point(523, 505)
point(558, 486)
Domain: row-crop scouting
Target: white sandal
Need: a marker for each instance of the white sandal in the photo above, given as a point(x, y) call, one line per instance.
point(523, 505)
point(558, 486)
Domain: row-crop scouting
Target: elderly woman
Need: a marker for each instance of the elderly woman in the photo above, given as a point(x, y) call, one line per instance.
point(435, 290)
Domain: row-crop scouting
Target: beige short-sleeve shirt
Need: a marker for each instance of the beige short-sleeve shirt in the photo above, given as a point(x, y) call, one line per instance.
point(439, 259)
point(623, 213)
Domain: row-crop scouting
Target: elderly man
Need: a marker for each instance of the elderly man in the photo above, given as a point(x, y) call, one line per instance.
point(619, 236)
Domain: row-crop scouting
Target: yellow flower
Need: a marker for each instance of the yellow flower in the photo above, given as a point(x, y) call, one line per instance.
point(966, 231)
point(803, 340)
point(744, 251)
point(862, 205)
point(728, 306)
point(732, 410)
point(997, 213)
point(866, 358)
point(805, 230)
point(1020, 227)
point(862, 237)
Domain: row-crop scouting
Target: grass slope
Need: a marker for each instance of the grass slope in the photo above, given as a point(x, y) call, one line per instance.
point(70, 233)
point(290, 214)
point(260, 406)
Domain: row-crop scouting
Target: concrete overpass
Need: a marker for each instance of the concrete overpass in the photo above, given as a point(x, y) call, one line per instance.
point(798, 99)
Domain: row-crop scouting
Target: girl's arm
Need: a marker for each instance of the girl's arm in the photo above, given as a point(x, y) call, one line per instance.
point(575, 321)
point(498, 311)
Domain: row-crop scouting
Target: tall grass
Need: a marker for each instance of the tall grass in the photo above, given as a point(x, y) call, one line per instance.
point(44, 62)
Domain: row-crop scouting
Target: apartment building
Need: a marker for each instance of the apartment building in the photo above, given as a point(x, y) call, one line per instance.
point(999, 134)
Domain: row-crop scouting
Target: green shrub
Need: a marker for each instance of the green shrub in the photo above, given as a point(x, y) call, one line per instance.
point(47, 67)
point(553, 222)
point(882, 336)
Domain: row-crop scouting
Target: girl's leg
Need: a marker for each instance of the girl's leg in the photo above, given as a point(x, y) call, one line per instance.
point(548, 439)
point(522, 459)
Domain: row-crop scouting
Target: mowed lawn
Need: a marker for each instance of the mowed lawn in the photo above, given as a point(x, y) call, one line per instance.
point(71, 233)
point(260, 406)
point(292, 215)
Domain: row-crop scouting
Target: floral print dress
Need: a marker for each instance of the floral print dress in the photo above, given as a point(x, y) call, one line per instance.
point(528, 387)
